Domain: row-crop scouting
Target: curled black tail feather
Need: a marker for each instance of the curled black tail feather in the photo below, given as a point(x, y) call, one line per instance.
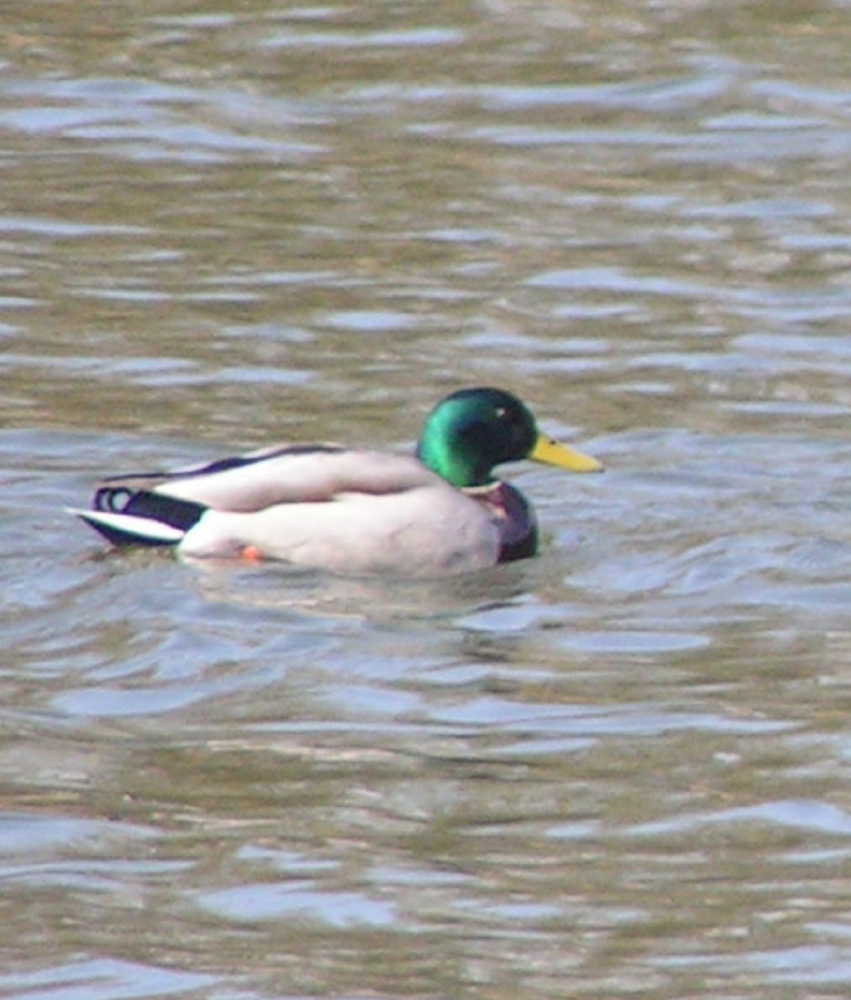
point(112, 498)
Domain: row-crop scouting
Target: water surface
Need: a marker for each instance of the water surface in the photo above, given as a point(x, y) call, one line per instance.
point(617, 770)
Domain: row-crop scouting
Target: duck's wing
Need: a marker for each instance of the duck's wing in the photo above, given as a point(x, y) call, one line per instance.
point(287, 474)
point(158, 508)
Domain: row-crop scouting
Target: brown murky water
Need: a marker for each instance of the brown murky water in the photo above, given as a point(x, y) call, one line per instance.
point(618, 770)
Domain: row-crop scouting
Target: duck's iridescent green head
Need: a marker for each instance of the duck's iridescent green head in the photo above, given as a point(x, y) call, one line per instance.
point(472, 431)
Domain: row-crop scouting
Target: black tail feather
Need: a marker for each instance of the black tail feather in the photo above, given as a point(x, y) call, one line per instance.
point(181, 514)
point(121, 499)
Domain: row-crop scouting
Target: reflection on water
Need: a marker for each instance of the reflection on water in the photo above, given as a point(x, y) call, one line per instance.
point(617, 769)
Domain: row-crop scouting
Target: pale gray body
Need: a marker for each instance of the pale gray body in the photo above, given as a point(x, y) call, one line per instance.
point(338, 509)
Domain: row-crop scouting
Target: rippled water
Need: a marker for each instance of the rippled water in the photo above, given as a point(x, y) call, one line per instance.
point(617, 770)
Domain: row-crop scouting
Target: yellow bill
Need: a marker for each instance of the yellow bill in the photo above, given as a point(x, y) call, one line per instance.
point(554, 453)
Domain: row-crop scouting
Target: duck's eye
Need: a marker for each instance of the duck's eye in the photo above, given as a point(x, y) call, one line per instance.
point(501, 413)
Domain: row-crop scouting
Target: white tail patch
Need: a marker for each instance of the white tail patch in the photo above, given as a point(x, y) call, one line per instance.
point(125, 529)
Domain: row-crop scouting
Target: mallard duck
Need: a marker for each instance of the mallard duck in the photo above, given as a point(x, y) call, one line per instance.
point(352, 511)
